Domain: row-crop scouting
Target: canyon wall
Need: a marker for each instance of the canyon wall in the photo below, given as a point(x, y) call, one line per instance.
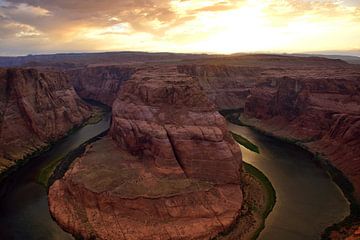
point(226, 86)
point(228, 80)
point(312, 100)
point(168, 169)
point(317, 107)
point(323, 114)
point(159, 172)
point(36, 108)
point(100, 83)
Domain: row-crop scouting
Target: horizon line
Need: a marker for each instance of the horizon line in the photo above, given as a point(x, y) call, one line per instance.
point(350, 53)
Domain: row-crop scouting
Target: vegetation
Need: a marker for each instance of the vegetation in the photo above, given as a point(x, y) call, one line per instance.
point(64, 163)
point(337, 176)
point(99, 110)
point(47, 171)
point(256, 205)
point(232, 115)
point(246, 143)
point(348, 189)
point(270, 191)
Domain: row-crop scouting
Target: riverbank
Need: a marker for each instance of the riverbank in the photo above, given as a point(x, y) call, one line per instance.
point(259, 199)
point(351, 223)
point(98, 113)
point(24, 207)
point(37, 153)
point(64, 164)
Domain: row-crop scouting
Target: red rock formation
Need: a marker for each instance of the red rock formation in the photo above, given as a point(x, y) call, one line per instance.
point(228, 80)
point(314, 100)
point(321, 109)
point(35, 109)
point(171, 170)
point(99, 83)
point(226, 86)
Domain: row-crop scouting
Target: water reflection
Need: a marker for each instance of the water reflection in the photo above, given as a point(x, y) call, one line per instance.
point(24, 212)
point(308, 200)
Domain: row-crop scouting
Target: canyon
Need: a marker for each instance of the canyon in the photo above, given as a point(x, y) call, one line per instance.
point(36, 108)
point(312, 101)
point(168, 169)
point(100, 83)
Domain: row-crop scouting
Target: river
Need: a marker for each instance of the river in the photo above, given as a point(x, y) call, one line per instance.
point(24, 212)
point(307, 200)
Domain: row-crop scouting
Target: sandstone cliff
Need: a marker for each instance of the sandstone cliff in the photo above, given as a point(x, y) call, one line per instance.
point(35, 109)
point(314, 101)
point(318, 107)
point(228, 80)
point(311, 99)
point(169, 171)
point(226, 86)
point(99, 83)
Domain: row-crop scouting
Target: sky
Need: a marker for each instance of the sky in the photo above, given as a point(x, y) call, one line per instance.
point(217, 26)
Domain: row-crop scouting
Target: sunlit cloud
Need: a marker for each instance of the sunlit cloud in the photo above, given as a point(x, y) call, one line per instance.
point(223, 26)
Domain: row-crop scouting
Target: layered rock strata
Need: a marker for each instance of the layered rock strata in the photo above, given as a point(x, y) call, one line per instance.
point(319, 110)
point(168, 170)
point(311, 99)
point(35, 108)
point(227, 86)
point(100, 83)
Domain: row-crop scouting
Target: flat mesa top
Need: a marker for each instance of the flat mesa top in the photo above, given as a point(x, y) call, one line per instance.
point(106, 168)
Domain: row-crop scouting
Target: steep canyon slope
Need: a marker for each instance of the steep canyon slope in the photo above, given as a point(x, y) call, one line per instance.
point(168, 169)
point(36, 108)
point(100, 83)
point(312, 100)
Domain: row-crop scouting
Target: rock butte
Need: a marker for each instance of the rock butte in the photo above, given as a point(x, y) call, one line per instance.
point(35, 108)
point(309, 99)
point(168, 170)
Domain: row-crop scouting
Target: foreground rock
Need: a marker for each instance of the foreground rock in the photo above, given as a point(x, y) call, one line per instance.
point(36, 108)
point(168, 170)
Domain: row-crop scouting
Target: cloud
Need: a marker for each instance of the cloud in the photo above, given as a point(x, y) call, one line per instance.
point(160, 25)
point(281, 12)
point(218, 6)
point(15, 19)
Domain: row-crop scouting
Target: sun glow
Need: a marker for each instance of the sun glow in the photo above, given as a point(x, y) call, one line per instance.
point(222, 26)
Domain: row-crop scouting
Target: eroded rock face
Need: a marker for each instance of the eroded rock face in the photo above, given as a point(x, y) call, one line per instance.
point(99, 83)
point(166, 117)
point(168, 170)
point(35, 108)
point(314, 100)
point(226, 86)
point(320, 109)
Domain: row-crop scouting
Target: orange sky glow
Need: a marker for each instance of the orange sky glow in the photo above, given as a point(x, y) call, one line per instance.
point(224, 26)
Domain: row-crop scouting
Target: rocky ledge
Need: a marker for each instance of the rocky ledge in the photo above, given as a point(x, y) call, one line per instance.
point(36, 108)
point(168, 169)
